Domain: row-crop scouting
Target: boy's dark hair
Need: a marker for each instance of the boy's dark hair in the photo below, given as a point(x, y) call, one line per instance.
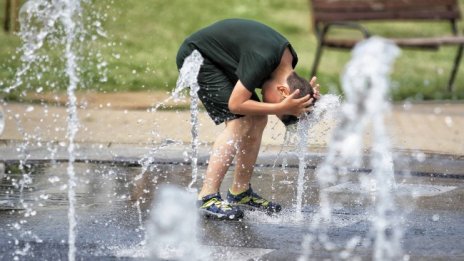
point(295, 82)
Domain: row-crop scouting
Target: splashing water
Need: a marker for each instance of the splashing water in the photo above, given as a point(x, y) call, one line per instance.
point(58, 24)
point(325, 108)
point(366, 81)
point(386, 247)
point(41, 21)
point(365, 84)
point(147, 161)
point(69, 11)
point(188, 78)
point(172, 229)
point(38, 20)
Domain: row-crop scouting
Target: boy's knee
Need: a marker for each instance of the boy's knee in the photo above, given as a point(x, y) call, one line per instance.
point(248, 126)
point(254, 125)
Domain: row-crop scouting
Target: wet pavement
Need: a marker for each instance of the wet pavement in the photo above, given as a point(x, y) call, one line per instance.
point(429, 170)
point(112, 225)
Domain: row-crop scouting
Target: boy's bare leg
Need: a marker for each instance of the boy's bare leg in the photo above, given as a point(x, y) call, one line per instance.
point(244, 134)
point(247, 153)
point(223, 153)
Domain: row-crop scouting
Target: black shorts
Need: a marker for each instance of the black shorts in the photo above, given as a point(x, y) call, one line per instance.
point(215, 91)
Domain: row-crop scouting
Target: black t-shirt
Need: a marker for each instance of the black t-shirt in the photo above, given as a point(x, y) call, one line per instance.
point(245, 50)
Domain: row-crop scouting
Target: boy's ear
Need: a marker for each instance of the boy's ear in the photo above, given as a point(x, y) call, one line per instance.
point(283, 90)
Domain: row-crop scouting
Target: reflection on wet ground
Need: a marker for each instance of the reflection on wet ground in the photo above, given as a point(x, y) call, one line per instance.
point(114, 202)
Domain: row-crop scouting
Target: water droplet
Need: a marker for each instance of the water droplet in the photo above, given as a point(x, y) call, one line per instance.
point(420, 156)
point(407, 105)
point(2, 120)
point(449, 121)
point(51, 180)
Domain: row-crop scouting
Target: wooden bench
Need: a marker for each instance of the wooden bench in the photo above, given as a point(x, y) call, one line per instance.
point(349, 14)
point(10, 20)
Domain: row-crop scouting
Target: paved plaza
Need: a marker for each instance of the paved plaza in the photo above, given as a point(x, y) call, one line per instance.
point(428, 143)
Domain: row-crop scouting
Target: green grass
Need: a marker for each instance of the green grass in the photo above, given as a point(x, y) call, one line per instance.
point(143, 37)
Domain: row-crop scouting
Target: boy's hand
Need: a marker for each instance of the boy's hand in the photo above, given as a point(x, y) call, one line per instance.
point(316, 87)
point(296, 106)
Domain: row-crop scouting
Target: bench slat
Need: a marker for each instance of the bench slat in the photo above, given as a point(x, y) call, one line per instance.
point(426, 43)
point(369, 5)
point(395, 15)
point(358, 10)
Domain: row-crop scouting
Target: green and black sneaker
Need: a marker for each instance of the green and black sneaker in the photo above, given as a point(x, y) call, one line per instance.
point(252, 201)
point(213, 206)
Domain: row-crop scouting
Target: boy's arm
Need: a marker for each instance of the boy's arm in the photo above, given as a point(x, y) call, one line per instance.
point(240, 103)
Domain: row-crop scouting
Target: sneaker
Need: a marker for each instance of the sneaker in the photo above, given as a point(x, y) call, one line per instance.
point(252, 201)
point(213, 206)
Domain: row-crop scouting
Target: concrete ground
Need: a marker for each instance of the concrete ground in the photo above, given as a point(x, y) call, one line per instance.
point(115, 212)
point(125, 118)
point(114, 201)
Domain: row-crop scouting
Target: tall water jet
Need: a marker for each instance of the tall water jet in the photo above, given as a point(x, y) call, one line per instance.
point(69, 11)
point(188, 79)
point(364, 76)
point(365, 84)
point(302, 132)
point(325, 109)
point(365, 81)
point(57, 23)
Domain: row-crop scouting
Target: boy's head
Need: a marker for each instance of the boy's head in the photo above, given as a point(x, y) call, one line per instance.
point(275, 93)
point(295, 82)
